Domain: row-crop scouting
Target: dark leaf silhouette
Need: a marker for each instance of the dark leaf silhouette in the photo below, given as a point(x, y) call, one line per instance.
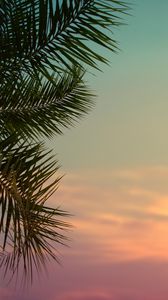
point(46, 46)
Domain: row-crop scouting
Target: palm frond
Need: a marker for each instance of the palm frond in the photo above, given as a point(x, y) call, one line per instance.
point(28, 227)
point(44, 44)
point(30, 107)
point(55, 33)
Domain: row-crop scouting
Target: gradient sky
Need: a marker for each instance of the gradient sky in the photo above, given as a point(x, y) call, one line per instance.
point(116, 183)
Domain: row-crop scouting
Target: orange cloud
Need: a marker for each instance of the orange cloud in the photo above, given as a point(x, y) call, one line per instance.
point(123, 214)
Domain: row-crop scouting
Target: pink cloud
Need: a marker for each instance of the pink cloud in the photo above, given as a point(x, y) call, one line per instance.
point(119, 244)
point(91, 294)
point(120, 213)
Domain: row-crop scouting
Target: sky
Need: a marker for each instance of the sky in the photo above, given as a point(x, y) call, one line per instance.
point(115, 163)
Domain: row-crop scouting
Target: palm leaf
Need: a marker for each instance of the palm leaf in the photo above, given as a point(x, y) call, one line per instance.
point(28, 227)
point(31, 107)
point(44, 44)
point(36, 34)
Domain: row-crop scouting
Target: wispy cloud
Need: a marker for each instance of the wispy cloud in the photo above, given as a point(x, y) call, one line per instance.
point(123, 214)
point(119, 244)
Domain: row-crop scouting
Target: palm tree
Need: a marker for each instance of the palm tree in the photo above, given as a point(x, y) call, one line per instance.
point(46, 46)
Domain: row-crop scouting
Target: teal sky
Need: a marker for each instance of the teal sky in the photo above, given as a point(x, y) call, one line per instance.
point(128, 125)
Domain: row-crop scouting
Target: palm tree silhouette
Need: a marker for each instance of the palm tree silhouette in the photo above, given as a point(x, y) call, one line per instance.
point(46, 46)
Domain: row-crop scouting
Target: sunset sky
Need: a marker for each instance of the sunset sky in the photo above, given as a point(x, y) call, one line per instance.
point(115, 163)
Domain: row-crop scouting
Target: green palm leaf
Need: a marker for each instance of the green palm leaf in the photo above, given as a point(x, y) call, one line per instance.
point(45, 47)
point(28, 227)
point(55, 33)
point(31, 107)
